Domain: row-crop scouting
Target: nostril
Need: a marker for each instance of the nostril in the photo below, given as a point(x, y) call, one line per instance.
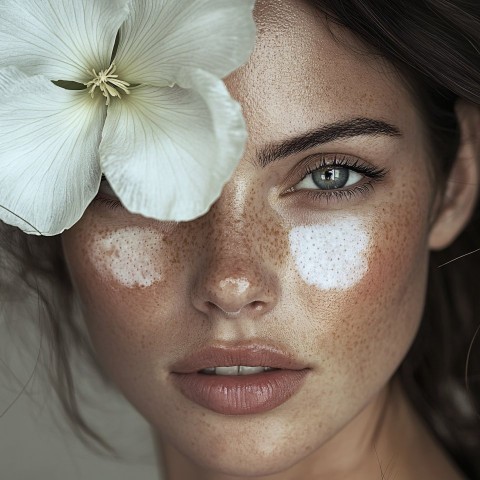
point(214, 306)
point(256, 305)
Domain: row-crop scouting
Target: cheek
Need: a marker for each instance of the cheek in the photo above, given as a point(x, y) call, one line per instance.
point(125, 262)
point(123, 277)
point(361, 285)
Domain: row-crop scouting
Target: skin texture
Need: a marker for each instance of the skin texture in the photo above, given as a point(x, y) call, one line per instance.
point(153, 292)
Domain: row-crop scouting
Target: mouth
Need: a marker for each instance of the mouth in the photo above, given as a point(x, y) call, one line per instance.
point(236, 370)
point(237, 356)
point(239, 380)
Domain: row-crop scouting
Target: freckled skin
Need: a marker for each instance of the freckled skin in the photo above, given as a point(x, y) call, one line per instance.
point(237, 258)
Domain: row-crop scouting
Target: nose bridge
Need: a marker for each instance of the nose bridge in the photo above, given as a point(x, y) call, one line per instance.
point(232, 220)
point(235, 277)
point(230, 234)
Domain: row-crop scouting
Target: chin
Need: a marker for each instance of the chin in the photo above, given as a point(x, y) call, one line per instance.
point(246, 447)
point(248, 463)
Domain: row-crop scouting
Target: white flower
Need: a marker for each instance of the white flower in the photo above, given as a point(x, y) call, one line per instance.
point(151, 113)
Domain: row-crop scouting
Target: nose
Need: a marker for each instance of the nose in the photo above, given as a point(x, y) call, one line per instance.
point(235, 286)
point(235, 278)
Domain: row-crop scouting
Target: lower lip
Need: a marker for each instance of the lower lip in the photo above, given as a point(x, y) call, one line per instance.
point(240, 394)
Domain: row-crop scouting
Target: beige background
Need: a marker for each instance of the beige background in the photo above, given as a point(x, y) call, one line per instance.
point(35, 442)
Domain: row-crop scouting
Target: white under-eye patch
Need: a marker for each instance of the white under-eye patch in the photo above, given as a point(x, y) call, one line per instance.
point(331, 255)
point(129, 257)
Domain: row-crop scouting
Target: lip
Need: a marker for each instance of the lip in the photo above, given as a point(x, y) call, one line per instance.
point(251, 355)
point(241, 394)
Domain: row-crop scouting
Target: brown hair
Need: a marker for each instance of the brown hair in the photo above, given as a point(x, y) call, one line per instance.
point(434, 46)
point(33, 267)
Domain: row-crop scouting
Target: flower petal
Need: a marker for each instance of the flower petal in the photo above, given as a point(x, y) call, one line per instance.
point(60, 39)
point(49, 141)
point(168, 151)
point(160, 37)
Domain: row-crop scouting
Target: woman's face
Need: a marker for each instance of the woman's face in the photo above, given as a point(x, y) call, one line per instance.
point(332, 278)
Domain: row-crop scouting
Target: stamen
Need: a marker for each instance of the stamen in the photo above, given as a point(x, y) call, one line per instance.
point(108, 83)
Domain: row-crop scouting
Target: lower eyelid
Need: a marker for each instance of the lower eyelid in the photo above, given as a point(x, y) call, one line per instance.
point(334, 196)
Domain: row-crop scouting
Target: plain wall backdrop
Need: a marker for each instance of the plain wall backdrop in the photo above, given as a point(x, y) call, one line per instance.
point(36, 444)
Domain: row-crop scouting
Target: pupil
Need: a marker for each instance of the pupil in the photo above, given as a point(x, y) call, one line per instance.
point(330, 178)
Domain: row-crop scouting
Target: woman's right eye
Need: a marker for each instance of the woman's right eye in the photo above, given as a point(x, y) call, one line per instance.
point(106, 196)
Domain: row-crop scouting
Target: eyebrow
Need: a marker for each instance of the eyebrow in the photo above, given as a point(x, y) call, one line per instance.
point(327, 133)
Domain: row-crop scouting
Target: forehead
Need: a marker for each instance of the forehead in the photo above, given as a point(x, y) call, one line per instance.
point(300, 76)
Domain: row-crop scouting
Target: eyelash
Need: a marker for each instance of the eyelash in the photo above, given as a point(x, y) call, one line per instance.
point(108, 202)
point(105, 201)
point(373, 173)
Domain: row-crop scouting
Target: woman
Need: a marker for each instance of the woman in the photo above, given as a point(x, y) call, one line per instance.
point(362, 158)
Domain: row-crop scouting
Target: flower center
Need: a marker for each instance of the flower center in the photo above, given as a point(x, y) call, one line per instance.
point(108, 83)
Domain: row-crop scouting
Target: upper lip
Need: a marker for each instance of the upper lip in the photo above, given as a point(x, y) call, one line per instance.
point(252, 355)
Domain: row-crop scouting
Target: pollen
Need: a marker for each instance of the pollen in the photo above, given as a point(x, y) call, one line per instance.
point(108, 83)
